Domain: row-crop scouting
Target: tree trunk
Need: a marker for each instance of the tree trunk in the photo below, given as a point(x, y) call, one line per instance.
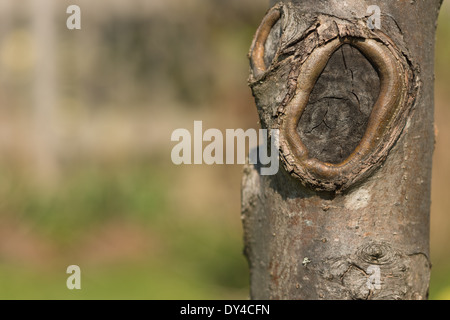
point(347, 214)
point(44, 93)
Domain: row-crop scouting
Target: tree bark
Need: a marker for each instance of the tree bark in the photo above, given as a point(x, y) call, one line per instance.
point(347, 215)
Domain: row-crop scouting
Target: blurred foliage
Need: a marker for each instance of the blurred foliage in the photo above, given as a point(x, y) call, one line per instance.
point(440, 222)
point(192, 259)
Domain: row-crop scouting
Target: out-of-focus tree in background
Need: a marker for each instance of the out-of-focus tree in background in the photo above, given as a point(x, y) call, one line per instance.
point(85, 171)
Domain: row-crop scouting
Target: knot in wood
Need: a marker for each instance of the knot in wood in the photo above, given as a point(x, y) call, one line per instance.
point(330, 141)
point(379, 253)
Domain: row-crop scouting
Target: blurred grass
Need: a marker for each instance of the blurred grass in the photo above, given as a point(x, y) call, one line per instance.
point(146, 282)
point(189, 258)
point(195, 258)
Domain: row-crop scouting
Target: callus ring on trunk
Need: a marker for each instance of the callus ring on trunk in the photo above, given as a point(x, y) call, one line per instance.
point(298, 60)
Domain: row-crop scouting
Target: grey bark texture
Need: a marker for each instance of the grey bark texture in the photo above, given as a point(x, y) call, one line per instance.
point(369, 240)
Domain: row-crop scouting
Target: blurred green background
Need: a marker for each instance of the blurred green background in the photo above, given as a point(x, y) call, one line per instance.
point(85, 171)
